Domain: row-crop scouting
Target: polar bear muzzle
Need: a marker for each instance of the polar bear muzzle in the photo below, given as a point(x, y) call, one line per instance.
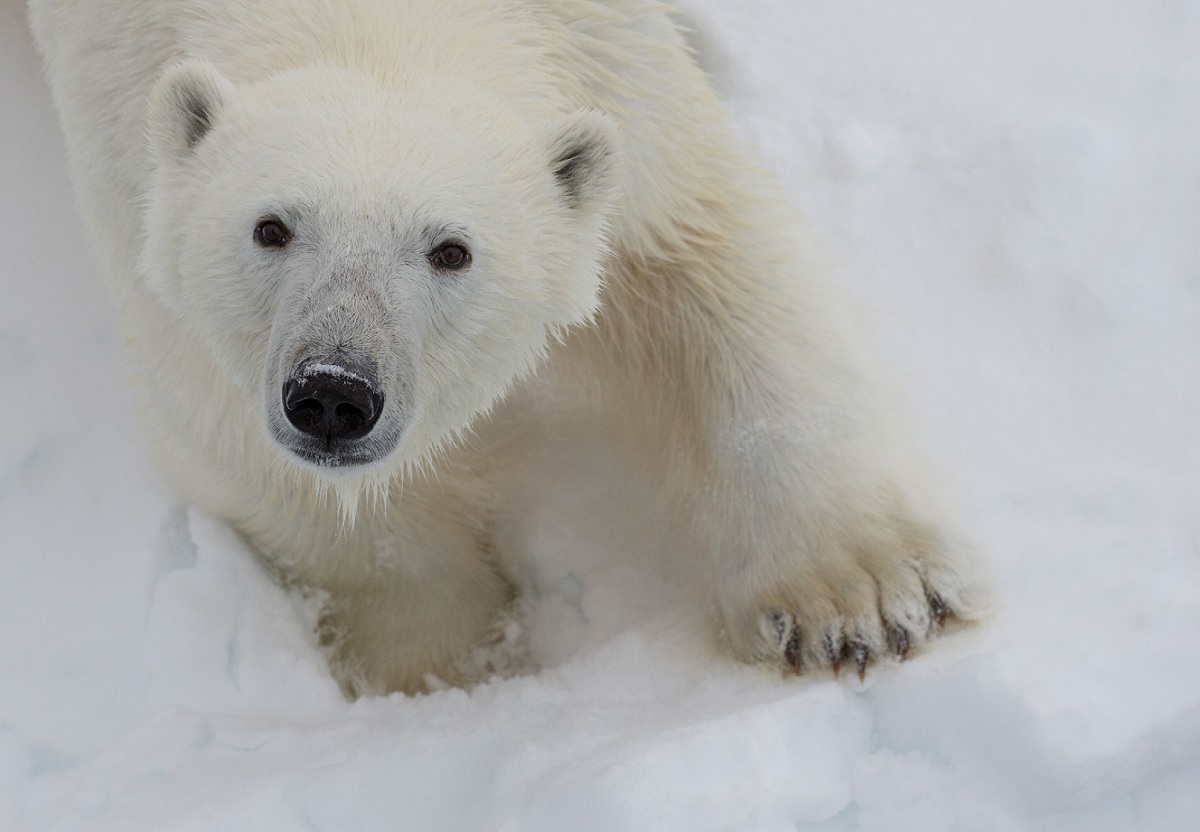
point(331, 410)
point(332, 402)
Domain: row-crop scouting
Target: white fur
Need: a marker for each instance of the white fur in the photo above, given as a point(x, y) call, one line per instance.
point(719, 354)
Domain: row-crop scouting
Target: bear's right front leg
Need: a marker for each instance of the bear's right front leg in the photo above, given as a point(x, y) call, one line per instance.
point(409, 634)
point(411, 593)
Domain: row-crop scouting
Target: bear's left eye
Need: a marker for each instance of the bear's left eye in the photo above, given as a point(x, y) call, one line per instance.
point(271, 233)
point(450, 257)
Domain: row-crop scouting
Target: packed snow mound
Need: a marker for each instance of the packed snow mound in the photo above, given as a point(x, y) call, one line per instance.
point(1012, 188)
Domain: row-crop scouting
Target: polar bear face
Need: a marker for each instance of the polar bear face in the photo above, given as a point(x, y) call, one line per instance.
point(376, 267)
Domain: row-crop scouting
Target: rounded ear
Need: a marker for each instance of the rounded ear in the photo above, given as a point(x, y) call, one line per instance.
point(585, 155)
point(184, 106)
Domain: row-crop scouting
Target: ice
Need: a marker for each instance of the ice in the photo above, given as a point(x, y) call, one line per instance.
point(1011, 191)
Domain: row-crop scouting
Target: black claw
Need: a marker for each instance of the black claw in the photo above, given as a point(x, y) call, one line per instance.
point(792, 651)
point(939, 608)
point(860, 654)
point(898, 640)
point(833, 651)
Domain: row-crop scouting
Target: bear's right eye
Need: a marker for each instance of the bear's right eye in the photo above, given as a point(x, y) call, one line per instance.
point(451, 257)
point(271, 233)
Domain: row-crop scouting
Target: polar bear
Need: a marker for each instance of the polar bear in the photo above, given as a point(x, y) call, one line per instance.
point(361, 250)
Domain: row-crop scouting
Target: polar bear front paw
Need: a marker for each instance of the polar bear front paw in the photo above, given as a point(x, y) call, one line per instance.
point(856, 604)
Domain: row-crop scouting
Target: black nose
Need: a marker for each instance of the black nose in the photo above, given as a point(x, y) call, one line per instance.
point(332, 402)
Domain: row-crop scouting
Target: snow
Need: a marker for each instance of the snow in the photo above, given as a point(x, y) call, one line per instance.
point(1013, 189)
point(336, 370)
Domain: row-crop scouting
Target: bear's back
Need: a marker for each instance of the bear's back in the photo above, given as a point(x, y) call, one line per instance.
point(623, 57)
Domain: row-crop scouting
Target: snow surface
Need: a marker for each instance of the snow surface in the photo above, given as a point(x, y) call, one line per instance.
point(1013, 187)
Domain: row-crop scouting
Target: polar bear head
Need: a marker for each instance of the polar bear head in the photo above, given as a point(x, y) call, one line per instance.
point(374, 266)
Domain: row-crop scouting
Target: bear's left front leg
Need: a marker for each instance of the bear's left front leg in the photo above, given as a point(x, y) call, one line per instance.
point(829, 548)
point(826, 546)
